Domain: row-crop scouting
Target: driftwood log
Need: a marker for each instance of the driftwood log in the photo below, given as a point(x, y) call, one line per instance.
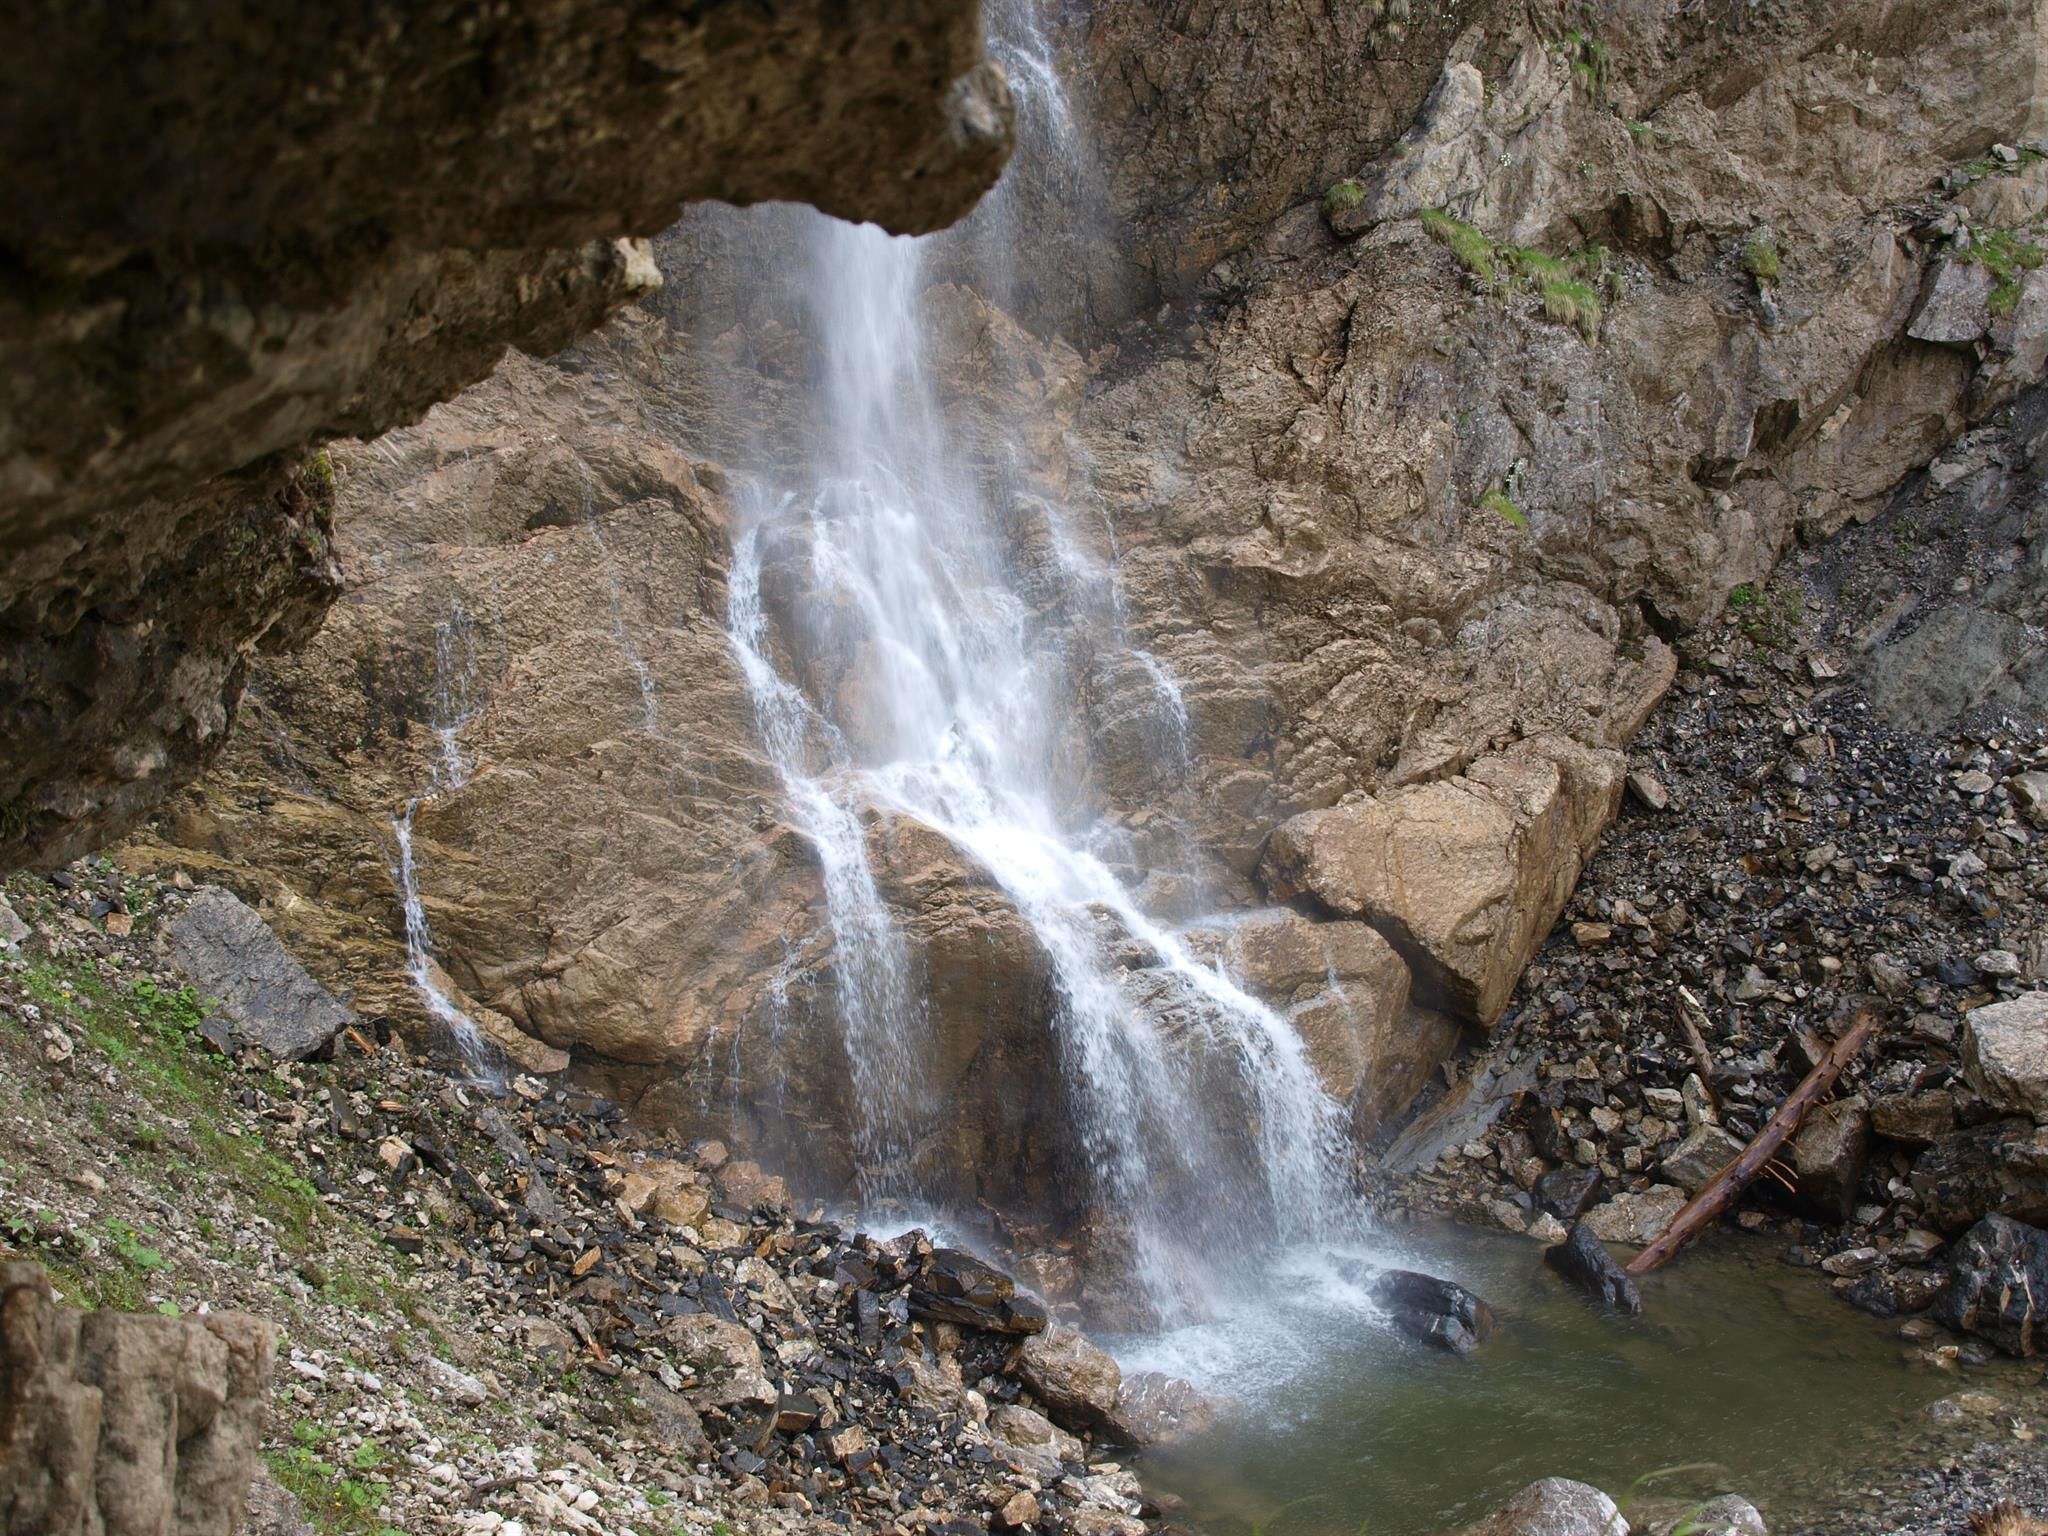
point(1721, 1191)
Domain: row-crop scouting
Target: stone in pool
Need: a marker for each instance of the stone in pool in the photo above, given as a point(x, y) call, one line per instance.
point(1587, 1266)
point(1435, 1311)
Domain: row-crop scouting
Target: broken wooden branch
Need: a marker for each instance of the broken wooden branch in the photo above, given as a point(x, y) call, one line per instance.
point(1690, 1016)
point(1720, 1192)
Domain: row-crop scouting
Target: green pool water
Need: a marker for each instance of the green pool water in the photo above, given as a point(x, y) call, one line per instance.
point(1739, 1361)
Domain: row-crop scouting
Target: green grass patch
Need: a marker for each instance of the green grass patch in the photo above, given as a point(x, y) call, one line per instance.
point(151, 1035)
point(1475, 253)
point(1502, 505)
point(1769, 618)
point(1343, 197)
point(1760, 258)
point(1591, 61)
point(1568, 287)
point(2008, 257)
point(1574, 304)
point(338, 1502)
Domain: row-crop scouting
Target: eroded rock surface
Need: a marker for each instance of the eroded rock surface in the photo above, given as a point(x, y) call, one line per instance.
point(136, 1425)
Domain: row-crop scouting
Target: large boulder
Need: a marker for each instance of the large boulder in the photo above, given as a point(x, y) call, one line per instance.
point(1345, 990)
point(1999, 1168)
point(1077, 1384)
point(1434, 1311)
point(132, 1425)
point(1829, 1155)
point(2005, 1054)
point(1998, 1285)
point(265, 997)
point(1465, 875)
point(1555, 1506)
point(1153, 1408)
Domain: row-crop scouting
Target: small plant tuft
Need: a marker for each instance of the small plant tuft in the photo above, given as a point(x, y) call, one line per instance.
point(2008, 257)
point(1475, 253)
point(1760, 258)
point(1591, 62)
point(1502, 505)
point(1343, 197)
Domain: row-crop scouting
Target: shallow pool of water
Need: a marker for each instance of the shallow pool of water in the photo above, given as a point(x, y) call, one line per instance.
point(1738, 1362)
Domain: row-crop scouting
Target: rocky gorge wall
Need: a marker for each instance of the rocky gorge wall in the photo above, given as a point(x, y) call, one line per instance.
point(220, 254)
point(1409, 502)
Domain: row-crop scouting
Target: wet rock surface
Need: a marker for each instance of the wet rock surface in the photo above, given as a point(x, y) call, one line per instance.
point(1998, 1286)
point(1588, 1267)
point(1433, 1311)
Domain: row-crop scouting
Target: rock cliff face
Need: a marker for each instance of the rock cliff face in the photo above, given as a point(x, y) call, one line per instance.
point(219, 256)
point(1407, 486)
point(122, 1423)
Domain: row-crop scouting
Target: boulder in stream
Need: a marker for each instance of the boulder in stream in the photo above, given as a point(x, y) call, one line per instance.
point(1587, 1266)
point(1556, 1506)
point(1435, 1311)
point(1998, 1285)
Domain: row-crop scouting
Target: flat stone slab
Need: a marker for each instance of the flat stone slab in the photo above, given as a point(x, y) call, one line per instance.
point(236, 963)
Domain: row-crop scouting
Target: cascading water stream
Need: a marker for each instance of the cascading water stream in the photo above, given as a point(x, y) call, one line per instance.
point(910, 677)
point(454, 675)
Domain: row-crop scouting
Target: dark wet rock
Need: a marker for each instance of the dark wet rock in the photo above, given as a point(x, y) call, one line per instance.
point(260, 992)
point(1555, 1506)
point(956, 1287)
point(2000, 1167)
point(1567, 1192)
point(1438, 1312)
point(1829, 1155)
point(1588, 1267)
point(1998, 1286)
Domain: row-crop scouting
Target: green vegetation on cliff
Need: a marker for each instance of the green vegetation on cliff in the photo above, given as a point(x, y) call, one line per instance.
point(1567, 287)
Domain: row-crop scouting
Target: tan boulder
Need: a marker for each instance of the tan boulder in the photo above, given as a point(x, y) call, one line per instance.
point(1344, 989)
point(724, 1358)
point(1076, 1383)
point(1466, 874)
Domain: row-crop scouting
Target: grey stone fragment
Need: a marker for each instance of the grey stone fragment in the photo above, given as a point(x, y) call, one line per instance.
point(2005, 1053)
point(233, 959)
point(1556, 1506)
point(13, 931)
point(1956, 309)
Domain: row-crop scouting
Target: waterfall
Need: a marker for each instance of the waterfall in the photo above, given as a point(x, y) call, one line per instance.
point(901, 671)
point(452, 709)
